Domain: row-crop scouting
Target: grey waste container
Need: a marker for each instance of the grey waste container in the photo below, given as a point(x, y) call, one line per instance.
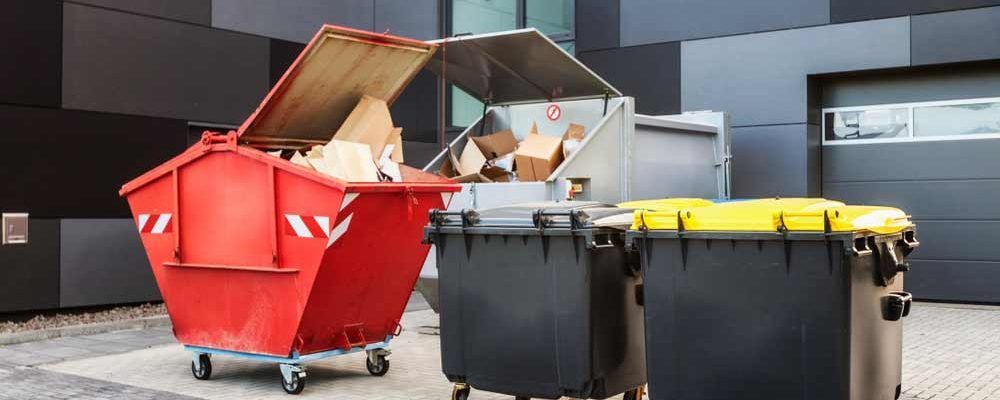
point(774, 299)
point(537, 302)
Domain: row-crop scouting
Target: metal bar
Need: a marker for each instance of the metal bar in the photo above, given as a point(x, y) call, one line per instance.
point(249, 268)
point(273, 210)
point(294, 359)
point(177, 216)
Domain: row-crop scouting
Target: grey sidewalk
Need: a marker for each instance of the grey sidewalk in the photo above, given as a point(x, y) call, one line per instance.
point(949, 354)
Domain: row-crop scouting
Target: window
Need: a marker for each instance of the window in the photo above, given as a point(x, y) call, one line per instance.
point(554, 18)
point(939, 120)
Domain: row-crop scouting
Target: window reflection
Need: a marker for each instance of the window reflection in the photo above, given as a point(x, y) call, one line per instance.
point(867, 124)
point(957, 119)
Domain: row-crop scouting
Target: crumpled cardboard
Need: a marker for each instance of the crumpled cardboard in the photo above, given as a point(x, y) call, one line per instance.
point(369, 123)
point(572, 139)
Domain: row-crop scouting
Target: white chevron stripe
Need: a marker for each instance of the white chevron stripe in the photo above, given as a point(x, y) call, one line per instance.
point(340, 230)
point(143, 219)
point(446, 198)
point(300, 227)
point(161, 223)
point(324, 223)
point(348, 198)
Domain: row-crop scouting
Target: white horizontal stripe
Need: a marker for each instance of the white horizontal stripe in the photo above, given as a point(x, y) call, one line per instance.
point(348, 198)
point(324, 224)
point(340, 230)
point(161, 223)
point(300, 227)
point(143, 218)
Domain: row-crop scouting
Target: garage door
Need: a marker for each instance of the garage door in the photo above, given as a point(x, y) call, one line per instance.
point(939, 161)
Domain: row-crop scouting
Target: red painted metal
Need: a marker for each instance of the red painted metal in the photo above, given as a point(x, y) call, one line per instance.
point(232, 276)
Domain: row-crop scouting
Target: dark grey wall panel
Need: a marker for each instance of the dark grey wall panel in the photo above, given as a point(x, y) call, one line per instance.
point(939, 160)
point(762, 78)
point(29, 273)
point(773, 161)
point(649, 73)
point(856, 10)
point(194, 11)
point(298, 22)
point(954, 280)
point(416, 109)
point(955, 81)
point(653, 21)
point(956, 36)
point(129, 64)
point(103, 262)
point(597, 24)
point(954, 240)
point(418, 19)
point(30, 52)
point(63, 163)
point(283, 53)
point(419, 154)
point(950, 199)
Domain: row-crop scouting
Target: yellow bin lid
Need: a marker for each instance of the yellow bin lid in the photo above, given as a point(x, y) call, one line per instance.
point(795, 214)
point(661, 212)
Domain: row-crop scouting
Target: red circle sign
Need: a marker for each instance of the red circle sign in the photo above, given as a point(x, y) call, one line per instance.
point(553, 112)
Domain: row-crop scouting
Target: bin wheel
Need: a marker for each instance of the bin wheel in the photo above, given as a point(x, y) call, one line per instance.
point(202, 369)
point(295, 386)
point(461, 392)
point(380, 367)
point(635, 394)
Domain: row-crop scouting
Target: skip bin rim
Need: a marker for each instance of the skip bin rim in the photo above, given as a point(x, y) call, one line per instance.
point(203, 148)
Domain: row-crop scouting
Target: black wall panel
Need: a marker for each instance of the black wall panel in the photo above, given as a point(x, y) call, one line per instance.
point(61, 163)
point(651, 74)
point(915, 84)
point(597, 24)
point(30, 52)
point(967, 35)
point(953, 281)
point(29, 273)
point(416, 109)
point(103, 262)
point(856, 10)
point(194, 11)
point(130, 64)
point(283, 53)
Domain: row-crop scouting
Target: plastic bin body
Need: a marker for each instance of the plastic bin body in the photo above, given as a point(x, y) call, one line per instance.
point(539, 313)
point(261, 256)
point(770, 315)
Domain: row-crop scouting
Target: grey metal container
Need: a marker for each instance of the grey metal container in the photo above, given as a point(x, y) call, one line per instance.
point(740, 315)
point(538, 302)
point(624, 156)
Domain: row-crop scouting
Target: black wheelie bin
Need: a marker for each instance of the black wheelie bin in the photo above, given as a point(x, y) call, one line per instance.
point(774, 299)
point(538, 302)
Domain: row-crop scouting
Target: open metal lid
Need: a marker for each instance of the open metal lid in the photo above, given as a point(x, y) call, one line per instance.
point(326, 81)
point(521, 66)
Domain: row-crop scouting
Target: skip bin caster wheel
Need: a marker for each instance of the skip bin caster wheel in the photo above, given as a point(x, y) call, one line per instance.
point(377, 362)
point(460, 392)
point(635, 394)
point(201, 367)
point(293, 378)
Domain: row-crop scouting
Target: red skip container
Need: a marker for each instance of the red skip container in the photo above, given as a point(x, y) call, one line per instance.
point(259, 257)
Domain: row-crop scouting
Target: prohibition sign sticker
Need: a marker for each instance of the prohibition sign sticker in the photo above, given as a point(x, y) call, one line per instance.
point(553, 112)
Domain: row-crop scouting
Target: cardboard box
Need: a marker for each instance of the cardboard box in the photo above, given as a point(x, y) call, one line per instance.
point(369, 123)
point(537, 157)
point(497, 144)
point(572, 139)
point(472, 159)
point(396, 140)
point(350, 161)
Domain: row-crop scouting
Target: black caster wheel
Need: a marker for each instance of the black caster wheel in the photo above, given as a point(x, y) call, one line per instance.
point(380, 367)
point(460, 392)
point(635, 394)
point(202, 369)
point(294, 386)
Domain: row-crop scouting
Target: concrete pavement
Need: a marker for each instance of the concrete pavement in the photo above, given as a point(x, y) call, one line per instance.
point(950, 353)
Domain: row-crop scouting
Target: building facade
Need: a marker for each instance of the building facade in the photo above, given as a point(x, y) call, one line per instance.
point(873, 102)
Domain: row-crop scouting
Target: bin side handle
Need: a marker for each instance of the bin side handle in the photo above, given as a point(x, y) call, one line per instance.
point(232, 267)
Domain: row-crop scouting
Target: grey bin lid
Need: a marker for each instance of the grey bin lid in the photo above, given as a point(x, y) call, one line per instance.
point(521, 215)
point(522, 66)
